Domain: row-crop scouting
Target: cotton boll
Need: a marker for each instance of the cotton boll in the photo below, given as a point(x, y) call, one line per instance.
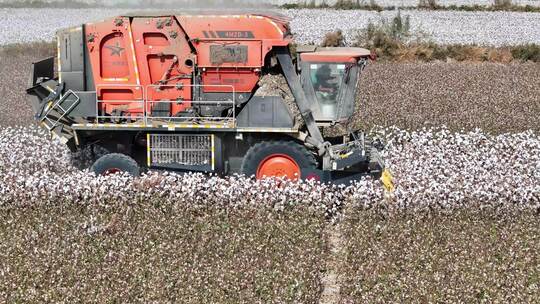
point(432, 169)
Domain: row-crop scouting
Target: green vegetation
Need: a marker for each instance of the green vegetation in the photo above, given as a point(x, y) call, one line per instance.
point(528, 52)
point(428, 4)
point(305, 4)
point(334, 39)
point(502, 4)
point(498, 5)
point(385, 37)
point(350, 5)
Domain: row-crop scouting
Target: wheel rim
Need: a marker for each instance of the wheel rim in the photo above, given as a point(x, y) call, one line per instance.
point(111, 171)
point(278, 165)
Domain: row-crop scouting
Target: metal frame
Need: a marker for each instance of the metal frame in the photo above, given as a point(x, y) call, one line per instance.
point(147, 118)
point(177, 152)
point(117, 86)
point(216, 102)
point(57, 105)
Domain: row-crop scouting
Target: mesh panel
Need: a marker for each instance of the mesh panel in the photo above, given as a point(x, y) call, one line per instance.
point(189, 150)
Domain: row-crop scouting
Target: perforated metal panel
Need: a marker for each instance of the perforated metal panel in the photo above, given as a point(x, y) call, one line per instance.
point(182, 151)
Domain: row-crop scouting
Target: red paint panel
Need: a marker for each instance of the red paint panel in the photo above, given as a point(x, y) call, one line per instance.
point(156, 39)
point(242, 80)
point(132, 55)
point(233, 27)
point(116, 100)
point(117, 94)
point(114, 62)
point(162, 51)
point(267, 31)
point(113, 67)
point(158, 66)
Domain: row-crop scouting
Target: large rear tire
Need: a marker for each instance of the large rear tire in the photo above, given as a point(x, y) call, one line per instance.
point(277, 159)
point(116, 163)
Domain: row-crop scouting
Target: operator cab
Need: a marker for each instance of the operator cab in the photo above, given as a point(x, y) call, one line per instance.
point(330, 79)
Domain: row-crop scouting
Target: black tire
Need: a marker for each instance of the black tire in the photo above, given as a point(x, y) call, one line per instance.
point(87, 156)
point(261, 151)
point(116, 162)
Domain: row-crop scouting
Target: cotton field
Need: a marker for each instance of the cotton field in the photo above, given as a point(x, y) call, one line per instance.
point(462, 140)
point(445, 27)
point(433, 169)
point(444, 169)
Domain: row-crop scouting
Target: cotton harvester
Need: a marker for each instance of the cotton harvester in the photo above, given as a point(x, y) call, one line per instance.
point(180, 93)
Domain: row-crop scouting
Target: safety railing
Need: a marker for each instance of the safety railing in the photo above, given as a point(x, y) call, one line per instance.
point(151, 101)
point(153, 95)
point(136, 90)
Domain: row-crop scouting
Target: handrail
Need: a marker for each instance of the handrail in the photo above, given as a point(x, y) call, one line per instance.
point(217, 102)
point(135, 86)
point(147, 102)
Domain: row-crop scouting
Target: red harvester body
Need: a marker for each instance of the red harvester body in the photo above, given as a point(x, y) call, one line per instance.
point(182, 92)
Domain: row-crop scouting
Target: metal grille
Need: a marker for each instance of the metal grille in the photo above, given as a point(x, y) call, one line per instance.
point(185, 150)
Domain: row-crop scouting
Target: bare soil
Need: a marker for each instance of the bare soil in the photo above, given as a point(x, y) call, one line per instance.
point(330, 279)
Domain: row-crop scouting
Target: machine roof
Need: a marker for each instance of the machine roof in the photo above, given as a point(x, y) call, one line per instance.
point(157, 13)
point(232, 24)
point(333, 54)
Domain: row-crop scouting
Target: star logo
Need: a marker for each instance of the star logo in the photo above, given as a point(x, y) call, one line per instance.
point(115, 49)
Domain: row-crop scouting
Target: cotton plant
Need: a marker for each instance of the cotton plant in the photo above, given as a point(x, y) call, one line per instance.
point(308, 25)
point(432, 168)
point(484, 28)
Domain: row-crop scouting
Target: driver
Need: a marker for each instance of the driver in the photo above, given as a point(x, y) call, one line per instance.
point(326, 84)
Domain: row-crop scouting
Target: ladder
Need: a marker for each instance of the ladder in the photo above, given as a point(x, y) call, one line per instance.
point(56, 119)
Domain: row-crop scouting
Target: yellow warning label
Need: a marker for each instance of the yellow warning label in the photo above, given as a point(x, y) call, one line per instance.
point(148, 151)
point(388, 180)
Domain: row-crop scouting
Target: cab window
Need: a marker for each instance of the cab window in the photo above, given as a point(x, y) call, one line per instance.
point(326, 79)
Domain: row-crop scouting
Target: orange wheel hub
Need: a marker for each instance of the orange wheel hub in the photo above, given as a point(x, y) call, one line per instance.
point(278, 165)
